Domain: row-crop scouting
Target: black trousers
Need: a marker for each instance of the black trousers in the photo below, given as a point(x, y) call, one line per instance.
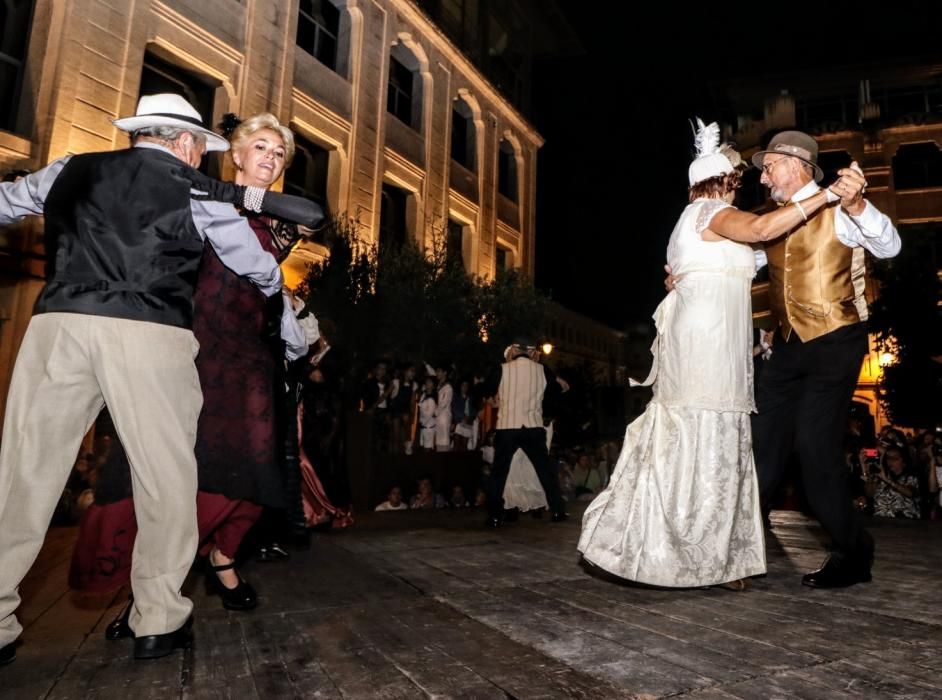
point(533, 443)
point(802, 396)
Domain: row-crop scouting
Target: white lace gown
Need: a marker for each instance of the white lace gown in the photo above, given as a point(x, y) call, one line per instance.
point(682, 506)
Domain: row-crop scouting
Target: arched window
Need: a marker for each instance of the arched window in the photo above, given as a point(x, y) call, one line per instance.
point(307, 174)
point(393, 228)
point(15, 19)
point(463, 143)
point(404, 90)
point(917, 165)
point(319, 30)
point(507, 170)
point(832, 161)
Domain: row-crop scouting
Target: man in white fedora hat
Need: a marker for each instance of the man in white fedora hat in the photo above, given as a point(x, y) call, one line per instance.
point(111, 326)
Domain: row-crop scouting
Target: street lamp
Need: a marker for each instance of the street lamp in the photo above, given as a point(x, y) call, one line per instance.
point(547, 348)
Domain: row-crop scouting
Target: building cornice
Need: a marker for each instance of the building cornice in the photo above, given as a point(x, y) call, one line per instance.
point(205, 37)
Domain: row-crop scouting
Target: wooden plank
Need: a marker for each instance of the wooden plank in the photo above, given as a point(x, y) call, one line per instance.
point(517, 669)
point(356, 668)
point(411, 639)
point(597, 616)
point(676, 623)
point(510, 613)
point(862, 680)
point(281, 658)
point(219, 666)
point(96, 667)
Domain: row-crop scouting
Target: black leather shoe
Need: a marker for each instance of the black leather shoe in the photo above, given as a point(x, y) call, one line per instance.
point(838, 572)
point(118, 627)
point(242, 597)
point(560, 516)
point(271, 552)
point(8, 654)
point(154, 646)
point(492, 523)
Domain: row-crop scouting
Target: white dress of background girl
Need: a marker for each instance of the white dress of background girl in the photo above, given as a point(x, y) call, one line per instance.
point(523, 489)
point(443, 417)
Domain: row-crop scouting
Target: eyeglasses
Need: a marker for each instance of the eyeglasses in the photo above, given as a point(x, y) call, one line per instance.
point(767, 167)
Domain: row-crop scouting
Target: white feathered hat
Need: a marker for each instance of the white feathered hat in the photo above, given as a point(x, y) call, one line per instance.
point(710, 162)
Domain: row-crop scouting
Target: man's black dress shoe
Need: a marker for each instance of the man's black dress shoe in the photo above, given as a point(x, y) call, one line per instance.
point(8, 653)
point(242, 597)
point(272, 552)
point(560, 516)
point(118, 628)
point(838, 572)
point(492, 523)
point(154, 646)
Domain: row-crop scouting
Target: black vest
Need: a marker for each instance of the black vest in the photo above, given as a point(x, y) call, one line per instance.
point(120, 239)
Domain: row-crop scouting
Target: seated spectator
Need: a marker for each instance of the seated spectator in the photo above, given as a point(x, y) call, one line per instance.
point(458, 499)
point(480, 498)
point(588, 478)
point(425, 497)
point(393, 501)
point(893, 487)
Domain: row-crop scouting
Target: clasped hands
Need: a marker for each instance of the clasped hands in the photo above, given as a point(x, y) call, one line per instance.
point(849, 188)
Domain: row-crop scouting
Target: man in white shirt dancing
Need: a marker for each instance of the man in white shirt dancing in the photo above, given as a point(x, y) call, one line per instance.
point(520, 389)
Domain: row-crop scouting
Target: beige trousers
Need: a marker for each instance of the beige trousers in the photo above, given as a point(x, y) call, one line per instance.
point(69, 366)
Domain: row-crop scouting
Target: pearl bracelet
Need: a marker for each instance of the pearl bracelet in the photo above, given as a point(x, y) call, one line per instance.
point(252, 200)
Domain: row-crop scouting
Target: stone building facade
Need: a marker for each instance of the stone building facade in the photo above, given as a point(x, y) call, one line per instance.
point(396, 126)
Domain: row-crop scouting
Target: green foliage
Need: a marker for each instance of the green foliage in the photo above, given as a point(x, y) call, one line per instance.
point(414, 305)
point(907, 323)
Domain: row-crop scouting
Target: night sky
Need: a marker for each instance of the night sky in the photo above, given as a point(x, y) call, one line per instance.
point(612, 179)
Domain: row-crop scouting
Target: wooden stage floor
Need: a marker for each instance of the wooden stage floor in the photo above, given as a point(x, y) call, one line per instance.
point(430, 604)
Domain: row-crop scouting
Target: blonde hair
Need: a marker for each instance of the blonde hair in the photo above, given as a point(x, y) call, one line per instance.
point(263, 120)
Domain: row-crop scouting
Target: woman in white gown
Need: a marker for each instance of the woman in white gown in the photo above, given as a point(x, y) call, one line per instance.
point(682, 506)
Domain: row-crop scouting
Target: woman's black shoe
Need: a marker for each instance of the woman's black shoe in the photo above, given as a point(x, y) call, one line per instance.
point(242, 597)
point(8, 653)
point(118, 628)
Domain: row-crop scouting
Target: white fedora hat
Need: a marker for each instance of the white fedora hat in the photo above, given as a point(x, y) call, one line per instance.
point(168, 109)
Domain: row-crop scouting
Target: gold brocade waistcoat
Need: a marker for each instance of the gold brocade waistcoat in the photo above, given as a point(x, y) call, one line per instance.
point(810, 287)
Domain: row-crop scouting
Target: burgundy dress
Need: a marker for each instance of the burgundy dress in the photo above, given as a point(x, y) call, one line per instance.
point(237, 449)
point(236, 441)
